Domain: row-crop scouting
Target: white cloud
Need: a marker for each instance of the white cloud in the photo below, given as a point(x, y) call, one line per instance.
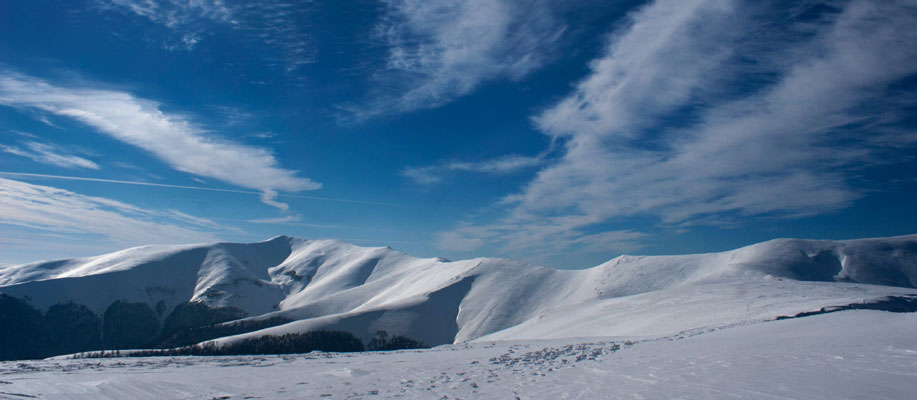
point(499, 166)
point(73, 215)
point(49, 154)
point(439, 50)
point(765, 122)
point(669, 49)
point(269, 197)
point(172, 138)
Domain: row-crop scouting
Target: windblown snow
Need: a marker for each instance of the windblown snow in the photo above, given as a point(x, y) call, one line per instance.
point(328, 284)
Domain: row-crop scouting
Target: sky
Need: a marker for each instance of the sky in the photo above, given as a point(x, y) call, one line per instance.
point(562, 133)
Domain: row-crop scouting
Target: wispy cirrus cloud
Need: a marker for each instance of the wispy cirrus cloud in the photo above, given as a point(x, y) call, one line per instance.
point(281, 25)
point(28, 175)
point(174, 139)
point(279, 220)
point(88, 218)
point(498, 166)
point(700, 111)
point(278, 24)
point(175, 13)
point(440, 50)
point(182, 17)
point(49, 154)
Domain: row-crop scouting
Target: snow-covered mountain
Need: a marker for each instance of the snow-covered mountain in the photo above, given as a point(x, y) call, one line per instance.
point(331, 285)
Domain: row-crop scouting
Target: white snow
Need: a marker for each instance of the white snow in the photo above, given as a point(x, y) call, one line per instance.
point(845, 355)
point(327, 284)
point(692, 327)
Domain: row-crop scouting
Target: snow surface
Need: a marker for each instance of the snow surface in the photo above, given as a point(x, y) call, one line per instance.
point(844, 355)
point(328, 284)
point(694, 326)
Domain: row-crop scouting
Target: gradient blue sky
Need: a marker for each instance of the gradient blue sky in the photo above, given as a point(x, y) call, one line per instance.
point(562, 133)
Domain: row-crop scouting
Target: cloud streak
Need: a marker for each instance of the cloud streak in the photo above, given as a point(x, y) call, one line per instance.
point(280, 220)
point(499, 166)
point(166, 185)
point(699, 112)
point(50, 209)
point(173, 139)
point(49, 154)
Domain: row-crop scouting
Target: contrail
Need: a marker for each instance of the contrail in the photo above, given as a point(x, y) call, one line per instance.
point(165, 185)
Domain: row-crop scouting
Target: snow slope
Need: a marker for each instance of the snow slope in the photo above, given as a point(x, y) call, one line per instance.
point(327, 284)
point(847, 355)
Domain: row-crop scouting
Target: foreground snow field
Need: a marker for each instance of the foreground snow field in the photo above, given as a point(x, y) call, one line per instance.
point(842, 355)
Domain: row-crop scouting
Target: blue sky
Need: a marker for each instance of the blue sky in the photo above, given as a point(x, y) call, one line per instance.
point(562, 133)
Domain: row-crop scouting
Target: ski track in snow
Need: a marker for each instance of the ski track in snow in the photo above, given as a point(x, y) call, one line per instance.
point(844, 355)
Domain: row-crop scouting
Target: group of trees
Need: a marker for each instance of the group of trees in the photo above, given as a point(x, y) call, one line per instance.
point(291, 343)
point(66, 328)
point(189, 336)
point(129, 326)
point(22, 330)
point(27, 333)
point(381, 341)
point(192, 315)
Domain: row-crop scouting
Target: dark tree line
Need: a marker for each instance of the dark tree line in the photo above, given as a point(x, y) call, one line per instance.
point(73, 328)
point(27, 333)
point(381, 341)
point(190, 315)
point(129, 326)
point(200, 334)
point(291, 343)
point(23, 333)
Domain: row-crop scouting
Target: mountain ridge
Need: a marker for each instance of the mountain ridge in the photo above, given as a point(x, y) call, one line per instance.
point(327, 284)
